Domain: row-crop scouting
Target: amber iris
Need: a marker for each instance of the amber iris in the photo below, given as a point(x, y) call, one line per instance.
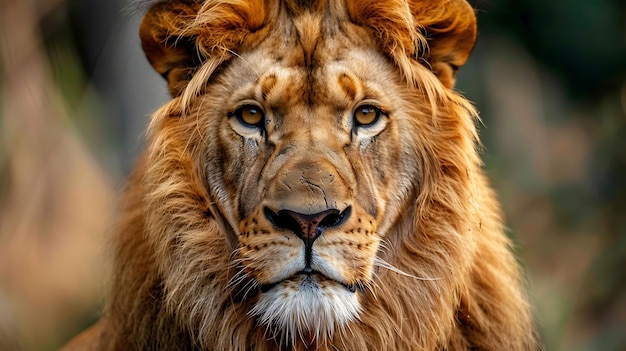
point(366, 115)
point(250, 115)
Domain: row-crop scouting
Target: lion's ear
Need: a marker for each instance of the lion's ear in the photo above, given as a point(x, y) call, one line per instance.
point(171, 53)
point(441, 32)
point(450, 30)
point(178, 36)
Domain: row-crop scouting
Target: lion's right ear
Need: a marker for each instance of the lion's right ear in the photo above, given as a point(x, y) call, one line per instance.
point(178, 36)
point(171, 53)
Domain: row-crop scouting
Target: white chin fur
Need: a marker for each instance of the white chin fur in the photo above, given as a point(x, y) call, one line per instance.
point(306, 307)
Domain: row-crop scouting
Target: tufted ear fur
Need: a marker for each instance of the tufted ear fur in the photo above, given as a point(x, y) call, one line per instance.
point(440, 32)
point(450, 29)
point(170, 53)
point(178, 35)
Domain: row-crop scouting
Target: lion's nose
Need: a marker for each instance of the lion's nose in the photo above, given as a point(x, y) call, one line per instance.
point(307, 227)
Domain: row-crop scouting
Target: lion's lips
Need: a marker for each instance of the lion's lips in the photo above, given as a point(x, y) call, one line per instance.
point(308, 276)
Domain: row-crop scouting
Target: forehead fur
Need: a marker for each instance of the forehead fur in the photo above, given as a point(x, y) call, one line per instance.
point(231, 24)
point(420, 37)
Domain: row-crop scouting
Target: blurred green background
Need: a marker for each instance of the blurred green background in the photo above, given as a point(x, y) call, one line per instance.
point(549, 78)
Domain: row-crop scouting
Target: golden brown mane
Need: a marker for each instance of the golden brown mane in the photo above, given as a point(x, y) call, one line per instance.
point(413, 255)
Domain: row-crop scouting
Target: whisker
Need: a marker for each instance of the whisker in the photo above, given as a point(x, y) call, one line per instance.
point(243, 59)
point(379, 262)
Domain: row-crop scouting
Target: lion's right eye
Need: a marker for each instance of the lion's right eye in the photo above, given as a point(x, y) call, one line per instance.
point(250, 116)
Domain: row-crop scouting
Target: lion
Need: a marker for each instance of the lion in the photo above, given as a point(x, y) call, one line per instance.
point(314, 184)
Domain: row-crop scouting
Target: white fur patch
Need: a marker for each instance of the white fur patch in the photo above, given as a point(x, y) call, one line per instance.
point(306, 306)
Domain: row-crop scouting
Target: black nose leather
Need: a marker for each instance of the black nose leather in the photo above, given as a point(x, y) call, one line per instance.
point(307, 227)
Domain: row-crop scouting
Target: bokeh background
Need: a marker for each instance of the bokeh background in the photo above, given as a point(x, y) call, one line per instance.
point(549, 78)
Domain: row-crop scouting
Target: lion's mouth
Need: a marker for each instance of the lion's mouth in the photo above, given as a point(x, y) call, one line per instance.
point(309, 277)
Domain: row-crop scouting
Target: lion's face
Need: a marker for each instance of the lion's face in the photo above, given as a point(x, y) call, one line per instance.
point(308, 163)
point(310, 136)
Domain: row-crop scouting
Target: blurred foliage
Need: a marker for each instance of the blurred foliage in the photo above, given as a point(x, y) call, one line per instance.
point(581, 41)
point(549, 78)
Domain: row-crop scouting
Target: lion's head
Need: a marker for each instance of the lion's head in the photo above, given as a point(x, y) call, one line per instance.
point(314, 183)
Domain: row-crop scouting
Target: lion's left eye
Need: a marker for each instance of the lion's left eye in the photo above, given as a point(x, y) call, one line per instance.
point(367, 115)
point(250, 116)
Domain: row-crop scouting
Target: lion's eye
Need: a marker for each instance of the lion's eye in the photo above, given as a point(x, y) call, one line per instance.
point(250, 116)
point(367, 115)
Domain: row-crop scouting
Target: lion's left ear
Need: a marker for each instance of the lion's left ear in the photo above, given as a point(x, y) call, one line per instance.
point(450, 30)
point(441, 32)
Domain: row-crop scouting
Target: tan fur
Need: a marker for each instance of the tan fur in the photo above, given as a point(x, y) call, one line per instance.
point(422, 238)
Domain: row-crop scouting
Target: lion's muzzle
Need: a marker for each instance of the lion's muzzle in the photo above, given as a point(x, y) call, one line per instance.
point(309, 243)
